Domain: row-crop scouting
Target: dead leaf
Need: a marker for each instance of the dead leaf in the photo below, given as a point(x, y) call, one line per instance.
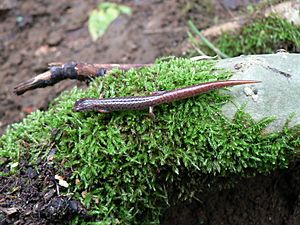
point(61, 181)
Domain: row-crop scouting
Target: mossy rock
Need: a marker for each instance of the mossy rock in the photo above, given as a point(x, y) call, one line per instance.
point(278, 93)
point(132, 167)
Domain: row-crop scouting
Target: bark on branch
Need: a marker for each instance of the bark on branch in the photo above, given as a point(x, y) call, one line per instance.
point(72, 70)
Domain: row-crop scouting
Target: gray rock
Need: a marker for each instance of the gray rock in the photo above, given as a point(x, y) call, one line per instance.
point(277, 95)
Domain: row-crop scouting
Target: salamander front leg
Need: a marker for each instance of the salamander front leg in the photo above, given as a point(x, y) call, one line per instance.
point(158, 92)
point(103, 111)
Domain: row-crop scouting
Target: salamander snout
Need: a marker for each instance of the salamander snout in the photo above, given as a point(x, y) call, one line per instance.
point(84, 104)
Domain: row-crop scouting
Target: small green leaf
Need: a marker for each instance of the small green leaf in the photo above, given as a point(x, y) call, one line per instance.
point(103, 16)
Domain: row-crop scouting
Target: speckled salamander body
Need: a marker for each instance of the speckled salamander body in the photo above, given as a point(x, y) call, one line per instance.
point(106, 105)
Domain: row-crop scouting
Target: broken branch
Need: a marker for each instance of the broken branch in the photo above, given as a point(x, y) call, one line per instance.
point(72, 70)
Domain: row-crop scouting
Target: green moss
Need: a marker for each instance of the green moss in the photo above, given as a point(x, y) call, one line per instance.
point(262, 36)
point(131, 166)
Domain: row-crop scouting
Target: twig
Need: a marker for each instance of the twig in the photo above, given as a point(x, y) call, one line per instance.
point(234, 25)
point(203, 57)
point(72, 70)
point(205, 41)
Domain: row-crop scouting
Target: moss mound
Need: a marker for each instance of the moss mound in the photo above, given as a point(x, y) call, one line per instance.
point(127, 167)
point(262, 36)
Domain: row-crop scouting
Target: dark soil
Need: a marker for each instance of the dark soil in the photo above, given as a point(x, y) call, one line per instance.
point(32, 197)
point(36, 32)
point(265, 199)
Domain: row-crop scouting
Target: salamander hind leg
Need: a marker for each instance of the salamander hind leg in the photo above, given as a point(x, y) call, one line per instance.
point(151, 112)
point(101, 95)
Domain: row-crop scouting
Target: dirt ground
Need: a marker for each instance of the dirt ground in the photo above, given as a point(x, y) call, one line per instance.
point(36, 32)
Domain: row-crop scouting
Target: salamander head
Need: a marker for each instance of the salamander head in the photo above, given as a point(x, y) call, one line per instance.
point(88, 104)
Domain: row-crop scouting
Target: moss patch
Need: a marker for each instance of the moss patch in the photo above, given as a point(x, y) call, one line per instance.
point(126, 167)
point(262, 36)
